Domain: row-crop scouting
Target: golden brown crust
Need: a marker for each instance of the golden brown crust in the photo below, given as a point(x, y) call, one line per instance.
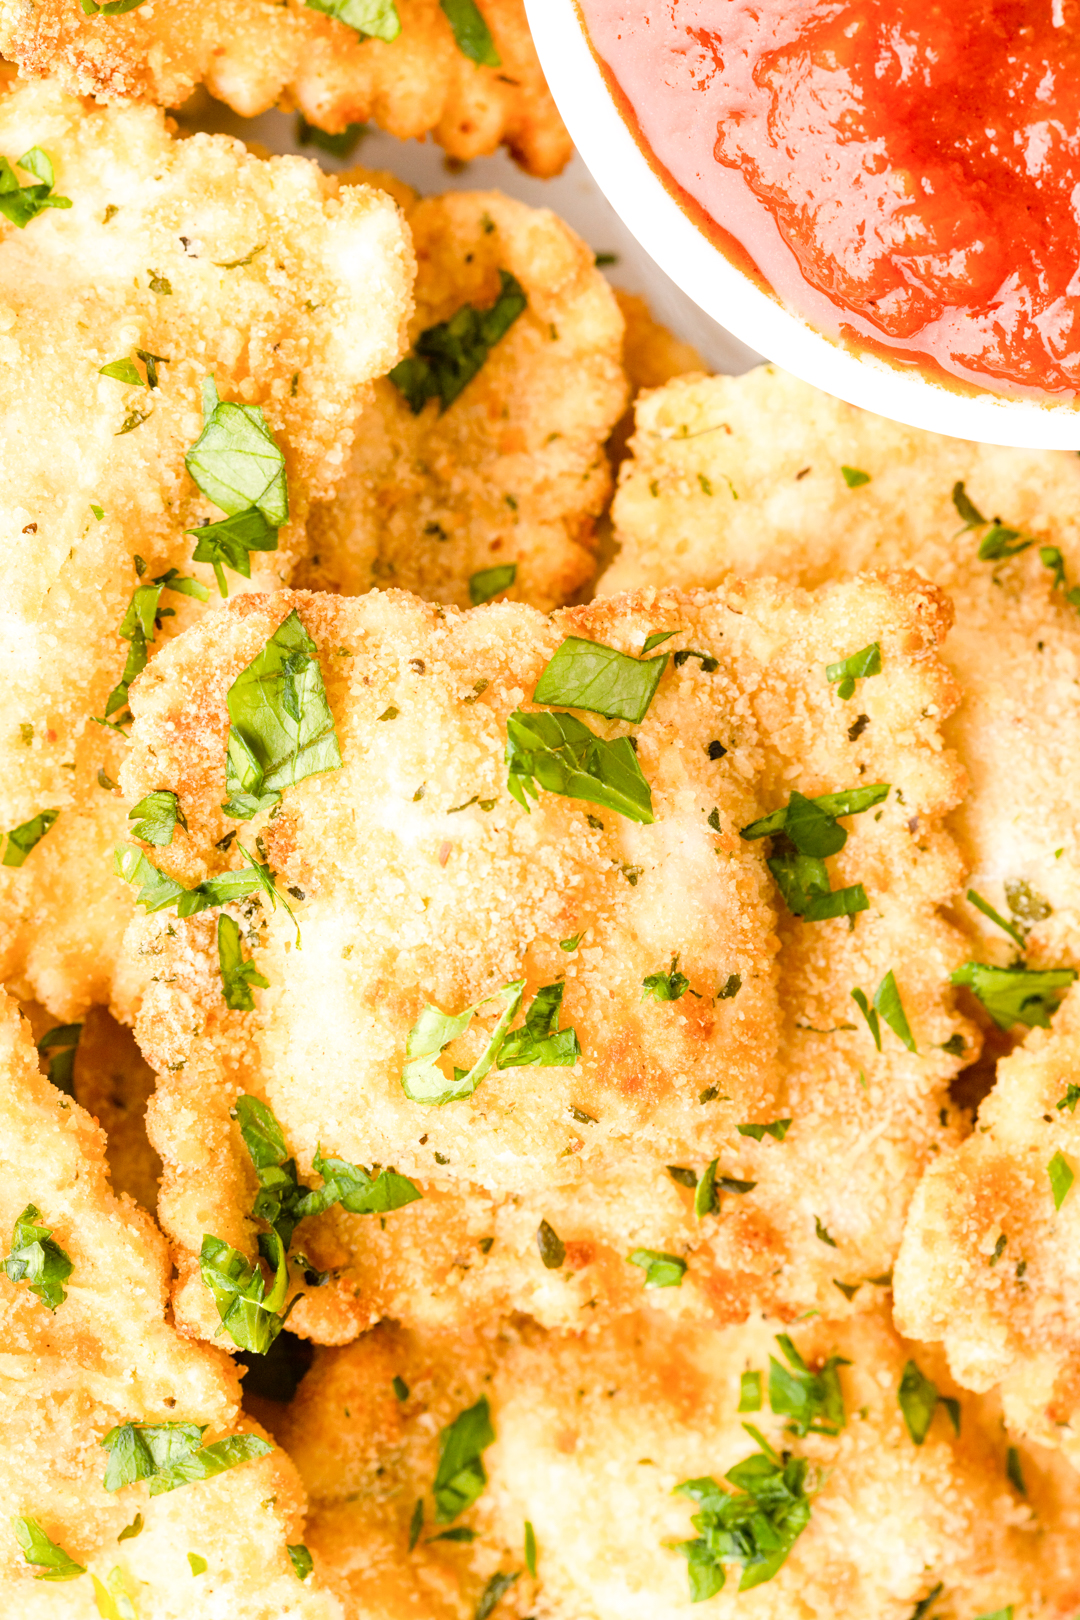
point(251, 54)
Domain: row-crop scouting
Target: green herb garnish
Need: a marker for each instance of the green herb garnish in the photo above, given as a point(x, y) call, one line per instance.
point(776, 1128)
point(919, 1399)
point(422, 1080)
point(168, 1455)
point(501, 1582)
point(540, 1043)
point(755, 1526)
point(237, 464)
point(587, 675)
point(21, 204)
point(854, 479)
point(812, 1401)
point(710, 1186)
point(62, 1041)
point(156, 817)
point(301, 1561)
point(661, 1270)
point(887, 1005)
point(230, 542)
point(804, 832)
point(530, 1549)
point(448, 356)
point(460, 1476)
point(1061, 1178)
point(372, 19)
point(36, 1258)
point(749, 1392)
point(238, 973)
point(54, 1562)
point(999, 541)
point(669, 986)
point(252, 1316)
point(488, 582)
point(559, 752)
point(472, 37)
point(1016, 995)
point(139, 626)
point(551, 1246)
point(21, 840)
point(867, 661)
point(111, 8)
point(282, 729)
point(995, 916)
point(341, 145)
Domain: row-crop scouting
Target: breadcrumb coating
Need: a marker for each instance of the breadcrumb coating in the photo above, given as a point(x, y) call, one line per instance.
point(423, 882)
point(106, 1356)
point(514, 471)
point(592, 1434)
point(251, 54)
point(259, 273)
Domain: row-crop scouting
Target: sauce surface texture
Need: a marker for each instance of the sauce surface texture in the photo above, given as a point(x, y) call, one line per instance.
point(901, 173)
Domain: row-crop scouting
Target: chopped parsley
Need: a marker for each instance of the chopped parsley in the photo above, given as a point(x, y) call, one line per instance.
point(448, 356)
point(887, 1005)
point(777, 1128)
point(551, 1246)
point(238, 973)
point(122, 371)
point(251, 1315)
point(823, 1233)
point(530, 1549)
point(39, 1261)
point(1016, 995)
point(501, 1582)
point(21, 840)
point(919, 1400)
point(61, 1043)
point(1061, 1178)
point(55, 1564)
point(21, 204)
point(282, 729)
point(400, 1388)
point(804, 831)
point(1050, 557)
point(111, 8)
point(540, 1043)
point(812, 1401)
point(709, 664)
point(341, 145)
point(867, 661)
point(730, 988)
point(237, 464)
point(710, 1186)
point(168, 1455)
point(669, 986)
point(372, 19)
point(558, 752)
point(749, 1392)
point(587, 675)
point(460, 1476)
point(488, 582)
point(422, 1080)
point(156, 818)
point(301, 1561)
point(357, 1190)
point(138, 627)
point(473, 39)
point(130, 1531)
point(999, 540)
point(198, 1564)
point(987, 910)
point(157, 891)
point(661, 1270)
point(754, 1526)
point(1070, 1099)
point(854, 479)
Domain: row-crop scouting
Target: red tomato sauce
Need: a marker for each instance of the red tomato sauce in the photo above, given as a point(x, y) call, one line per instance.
point(903, 174)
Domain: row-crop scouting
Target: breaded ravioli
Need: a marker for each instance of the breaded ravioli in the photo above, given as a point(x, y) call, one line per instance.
point(762, 474)
point(575, 1446)
point(494, 491)
point(468, 75)
point(177, 262)
point(989, 1258)
point(631, 926)
point(86, 1350)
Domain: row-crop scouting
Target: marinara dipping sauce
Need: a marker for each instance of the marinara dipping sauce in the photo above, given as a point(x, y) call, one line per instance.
point(903, 174)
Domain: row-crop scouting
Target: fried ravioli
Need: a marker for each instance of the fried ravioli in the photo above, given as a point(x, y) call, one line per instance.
point(499, 492)
point(212, 263)
point(251, 55)
point(593, 1432)
point(422, 882)
point(75, 1367)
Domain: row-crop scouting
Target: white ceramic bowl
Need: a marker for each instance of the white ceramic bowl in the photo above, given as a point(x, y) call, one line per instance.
point(730, 297)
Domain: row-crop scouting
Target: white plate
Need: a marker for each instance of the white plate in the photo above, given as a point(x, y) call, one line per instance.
point(694, 264)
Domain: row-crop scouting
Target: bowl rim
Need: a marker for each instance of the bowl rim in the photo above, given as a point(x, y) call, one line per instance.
point(695, 264)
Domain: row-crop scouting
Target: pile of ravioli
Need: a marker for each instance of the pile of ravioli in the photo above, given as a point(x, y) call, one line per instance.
point(539, 1048)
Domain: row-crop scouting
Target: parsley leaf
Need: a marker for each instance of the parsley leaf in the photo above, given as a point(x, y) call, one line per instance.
point(500, 1583)
point(854, 478)
point(918, 1399)
point(279, 1197)
point(35, 1257)
point(111, 8)
point(755, 1526)
point(811, 823)
point(235, 461)
point(488, 582)
point(282, 729)
point(867, 661)
point(749, 1392)
point(301, 1561)
point(812, 1401)
point(1061, 1178)
point(551, 1246)
point(1070, 1099)
point(777, 1128)
point(64, 1039)
point(422, 1080)
point(999, 541)
point(157, 892)
point(661, 1270)
point(140, 623)
point(156, 817)
point(460, 1476)
point(995, 916)
point(667, 986)
point(21, 204)
point(250, 1315)
point(357, 1190)
point(471, 34)
point(238, 973)
point(587, 675)
point(373, 19)
point(448, 356)
point(172, 1454)
point(122, 371)
point(540, 1043)
point(21, 840)
point(55, 1563)
point(230, 542)
point(561, 754)
point(1016, 995)
point(888, 1005)
point(709, 1188)
point(530, 1549)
